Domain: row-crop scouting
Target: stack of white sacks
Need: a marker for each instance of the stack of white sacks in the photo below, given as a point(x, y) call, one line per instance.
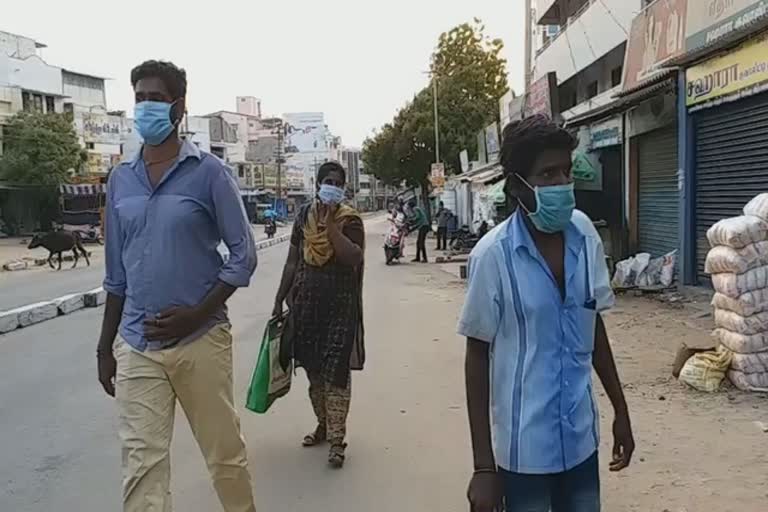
point(738, 263)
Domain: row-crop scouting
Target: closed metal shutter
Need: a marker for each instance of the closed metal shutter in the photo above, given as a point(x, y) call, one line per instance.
point(658, 201)
point(731, 163)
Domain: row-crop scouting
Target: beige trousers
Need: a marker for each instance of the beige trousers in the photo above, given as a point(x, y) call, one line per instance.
point(147, 385)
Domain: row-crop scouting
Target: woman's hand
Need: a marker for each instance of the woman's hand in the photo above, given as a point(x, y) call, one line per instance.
point(330, 216)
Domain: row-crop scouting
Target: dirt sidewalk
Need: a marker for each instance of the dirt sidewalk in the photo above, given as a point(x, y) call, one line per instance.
point(695, 452)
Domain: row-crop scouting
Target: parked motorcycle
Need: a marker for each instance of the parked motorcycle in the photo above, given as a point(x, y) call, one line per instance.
point(463, 240)
point(395, 240)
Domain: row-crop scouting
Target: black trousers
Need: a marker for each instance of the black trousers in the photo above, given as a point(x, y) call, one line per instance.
point(421, 244)
point(442, 238)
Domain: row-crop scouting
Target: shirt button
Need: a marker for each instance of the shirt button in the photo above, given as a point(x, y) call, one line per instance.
point(567, 383)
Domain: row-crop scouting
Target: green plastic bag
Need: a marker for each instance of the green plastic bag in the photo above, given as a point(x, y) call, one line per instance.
point(270, 379)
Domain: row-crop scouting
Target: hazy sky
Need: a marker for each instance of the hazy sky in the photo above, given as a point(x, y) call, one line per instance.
point(355, 60)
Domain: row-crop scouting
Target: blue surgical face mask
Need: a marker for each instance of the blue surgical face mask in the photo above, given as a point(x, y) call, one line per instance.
point(330, 194)
point(554, 207)
point(152, 120)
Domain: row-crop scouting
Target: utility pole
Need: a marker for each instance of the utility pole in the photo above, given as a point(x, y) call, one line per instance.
point(437, 121)
point(528, 45)
point(280, 160)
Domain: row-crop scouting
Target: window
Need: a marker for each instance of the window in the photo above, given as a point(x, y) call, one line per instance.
point(50, 105)
point(90, 145)
point(616, 74)
point(26, 102)
point(69, 108)
point(592, 89)
point(240, 171)
point(37, 102)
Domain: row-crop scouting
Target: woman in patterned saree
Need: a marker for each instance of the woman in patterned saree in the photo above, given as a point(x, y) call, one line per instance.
point(322, 284)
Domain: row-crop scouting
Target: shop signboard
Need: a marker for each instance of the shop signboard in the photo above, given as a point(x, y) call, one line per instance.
point(656, 36)
point(744, 68)
point(605, 133)
point(714, 19)
point(103, 128)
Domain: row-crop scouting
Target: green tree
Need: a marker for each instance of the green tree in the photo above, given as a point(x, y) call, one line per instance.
point(471, 76)
point(39, 149)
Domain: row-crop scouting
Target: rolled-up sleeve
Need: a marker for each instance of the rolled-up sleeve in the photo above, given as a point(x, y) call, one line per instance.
point(481, 314)
point(604, 296)
point(114, 280)
point(235, 231)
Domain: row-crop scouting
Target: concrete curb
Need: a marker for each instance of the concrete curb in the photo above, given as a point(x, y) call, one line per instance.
point(47, 310)
point(28, 262)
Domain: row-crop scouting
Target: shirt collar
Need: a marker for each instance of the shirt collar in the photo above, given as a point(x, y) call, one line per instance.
point(521, 237)
point(188, 150)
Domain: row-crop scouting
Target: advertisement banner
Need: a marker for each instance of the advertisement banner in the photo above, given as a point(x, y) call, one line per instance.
point(657, 35)
point(542, 97)
point(713, 19)
point(437, 176)
point(745, 67)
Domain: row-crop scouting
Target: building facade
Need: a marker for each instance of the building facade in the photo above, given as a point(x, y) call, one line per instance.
point(669, 102)
point(28, 83)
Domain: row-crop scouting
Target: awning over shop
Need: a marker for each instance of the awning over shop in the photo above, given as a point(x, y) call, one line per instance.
point(83, 189)
point(660, 83)
point(483, 175)
point(734, 38)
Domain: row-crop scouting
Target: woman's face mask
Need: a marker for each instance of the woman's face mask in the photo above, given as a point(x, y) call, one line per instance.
point(330, 194)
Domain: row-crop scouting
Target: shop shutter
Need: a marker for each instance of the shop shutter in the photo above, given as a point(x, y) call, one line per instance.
point(731, 163)
point(658, 201)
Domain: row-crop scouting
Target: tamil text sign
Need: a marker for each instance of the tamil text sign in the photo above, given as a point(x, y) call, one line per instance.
point(745, 67)
point(657, 35)
point(103, 129)
point(712, 19)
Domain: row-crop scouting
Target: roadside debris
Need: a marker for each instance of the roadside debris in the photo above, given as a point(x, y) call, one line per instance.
point(647, 274)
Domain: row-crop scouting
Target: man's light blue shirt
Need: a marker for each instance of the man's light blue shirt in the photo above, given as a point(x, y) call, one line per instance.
point(543, 414)
point(161, 243)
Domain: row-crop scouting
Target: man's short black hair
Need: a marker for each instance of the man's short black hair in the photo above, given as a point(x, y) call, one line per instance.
point(174, 77)
point(329, 167)
point(523, 141)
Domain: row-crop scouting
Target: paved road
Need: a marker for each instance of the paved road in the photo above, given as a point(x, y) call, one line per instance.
point(39, 284)
point(408, 448)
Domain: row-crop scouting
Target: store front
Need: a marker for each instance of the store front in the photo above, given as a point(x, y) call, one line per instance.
point(653, 176)
point(597, 168)
point(728, 103)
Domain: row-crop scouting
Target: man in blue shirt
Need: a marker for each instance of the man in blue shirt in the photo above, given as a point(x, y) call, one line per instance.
point(537, 285)
point(165, 334)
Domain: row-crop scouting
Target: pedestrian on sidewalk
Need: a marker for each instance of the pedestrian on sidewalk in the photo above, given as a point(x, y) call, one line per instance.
point(443, 216)
point(420, 224)
point(322, 282)
point(537, 285)
point(165, 334)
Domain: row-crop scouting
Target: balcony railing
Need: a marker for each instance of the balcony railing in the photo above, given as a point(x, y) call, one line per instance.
point(568, 23)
